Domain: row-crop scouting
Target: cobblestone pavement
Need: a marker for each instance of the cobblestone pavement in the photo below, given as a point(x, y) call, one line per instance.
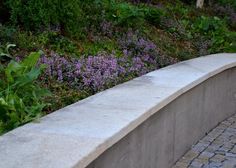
point(217, 149)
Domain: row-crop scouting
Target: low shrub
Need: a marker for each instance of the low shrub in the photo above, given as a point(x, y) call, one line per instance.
point(71, 17)
point(209, 25)
point(227, 3)
point(37, 14)
point(153, 15)
point(217, 31)
point(126, 14)
point(226, 12)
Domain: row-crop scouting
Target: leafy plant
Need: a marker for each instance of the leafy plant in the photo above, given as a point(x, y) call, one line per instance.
point(5, 53)
point(21, 98)
point(208, 25)
point(127, 14)
point(153, 15)
point(38, 14)
point(215, 29)
point(227, 3)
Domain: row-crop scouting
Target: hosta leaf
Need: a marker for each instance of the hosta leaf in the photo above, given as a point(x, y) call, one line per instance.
point(28, 77)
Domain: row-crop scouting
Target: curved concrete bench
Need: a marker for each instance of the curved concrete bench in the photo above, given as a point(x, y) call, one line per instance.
point(147, 122)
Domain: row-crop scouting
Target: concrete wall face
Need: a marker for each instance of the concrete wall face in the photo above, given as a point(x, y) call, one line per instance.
point(163, 138)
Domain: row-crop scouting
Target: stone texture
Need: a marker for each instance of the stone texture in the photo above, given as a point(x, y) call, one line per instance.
point(220, 153)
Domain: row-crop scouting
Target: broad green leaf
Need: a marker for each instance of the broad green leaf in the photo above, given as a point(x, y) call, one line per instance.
point(21, 98)
point(13, 66)
point(29, 77)
point(3, 102)
point(31, 60)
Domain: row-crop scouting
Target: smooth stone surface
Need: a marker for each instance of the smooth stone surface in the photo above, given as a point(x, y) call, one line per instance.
point(77, 134)
point(164, 137)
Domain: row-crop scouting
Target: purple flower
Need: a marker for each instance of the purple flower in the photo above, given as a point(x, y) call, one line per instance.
point(98, 72)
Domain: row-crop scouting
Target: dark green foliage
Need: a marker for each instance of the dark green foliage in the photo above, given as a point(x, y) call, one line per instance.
point(4, 12)
point(69, 17)
point(153, 15)
point(215, 29)
point(41, 14)
point(126, 14)
point(33, 14)
point(227, 3)
point(20, 97)
point(208, 25)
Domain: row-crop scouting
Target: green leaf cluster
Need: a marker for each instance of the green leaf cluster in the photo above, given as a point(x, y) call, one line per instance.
point(126, 14)
point(21, 98)
point(217, 31)
point(39, 14)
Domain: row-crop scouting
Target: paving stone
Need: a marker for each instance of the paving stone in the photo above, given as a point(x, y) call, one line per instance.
point(231, 120)
point(207, 139)
point(231, 130)
point(233, 141)
point(220, 129)
point(215, 165)
point(223, 127)
point(206, 142)
point(191, 155)
point(202, 160)
point(218, 142)
point(223, 149)
point(233, 125)
point(230, 155)
point(213, 135)
point(196, 164)
point(232, 137)
point(226, 122)
point(185, 160)
point(215, 150)
point(222, 139)
point(217, 158)
point(233, 150)
point(212, 148)
point(181, 165)
point(229, 164)
point(220, 152)
point(228, 145)
point(206, 166)
point(199, 147)
point(206, 154)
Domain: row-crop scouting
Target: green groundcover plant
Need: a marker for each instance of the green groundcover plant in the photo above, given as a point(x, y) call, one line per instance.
point(21, 98)
point(216, 29)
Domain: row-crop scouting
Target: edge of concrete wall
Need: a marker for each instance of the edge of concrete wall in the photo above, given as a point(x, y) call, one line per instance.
point(77, 134)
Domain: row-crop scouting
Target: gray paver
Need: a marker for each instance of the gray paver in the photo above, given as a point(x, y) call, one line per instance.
point(215, 150)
